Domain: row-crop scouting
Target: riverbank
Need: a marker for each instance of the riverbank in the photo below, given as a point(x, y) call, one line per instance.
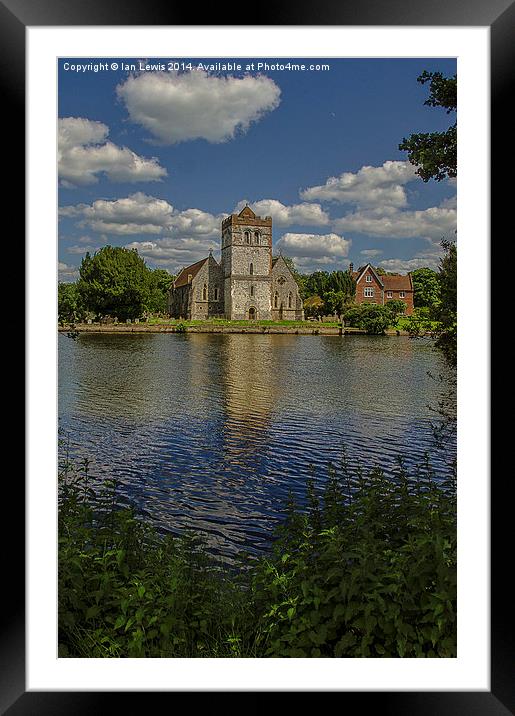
point(312, 328)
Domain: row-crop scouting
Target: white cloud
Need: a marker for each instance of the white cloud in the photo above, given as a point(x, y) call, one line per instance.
point(368, 187)
point(433, 223)
point(428, 260)
point(67, 274)
point(450, 203)
point(144, 214)
point(84, 153)
point(174, 253)
point(282, 215)
point(80, 249)
point(177, 107)
point(370, 253)
point(182, 237)
point(314, 246)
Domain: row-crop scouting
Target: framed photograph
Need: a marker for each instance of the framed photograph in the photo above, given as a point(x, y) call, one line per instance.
point(246, 235)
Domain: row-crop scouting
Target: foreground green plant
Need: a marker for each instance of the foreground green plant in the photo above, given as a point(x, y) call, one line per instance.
point(366, 569)
point(370, 571)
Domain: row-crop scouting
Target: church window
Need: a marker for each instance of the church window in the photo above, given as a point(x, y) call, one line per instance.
point(276, 299)
point(251, 269)
point(289, 300)
point(247, 237)
point(216, 293)
point(256, 237)
point(204, 293)
point(252, 290)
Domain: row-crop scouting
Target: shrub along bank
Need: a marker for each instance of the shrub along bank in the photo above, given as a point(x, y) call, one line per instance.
point(365, 569)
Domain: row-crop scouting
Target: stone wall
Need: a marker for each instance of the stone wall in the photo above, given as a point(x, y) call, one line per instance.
point(246, 264)
point(208, 291)
point(285, 297)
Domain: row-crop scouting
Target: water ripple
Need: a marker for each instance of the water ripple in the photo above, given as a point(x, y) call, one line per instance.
point(211, 432)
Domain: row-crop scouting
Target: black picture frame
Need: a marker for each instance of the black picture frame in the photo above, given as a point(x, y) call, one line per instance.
point(499, 16)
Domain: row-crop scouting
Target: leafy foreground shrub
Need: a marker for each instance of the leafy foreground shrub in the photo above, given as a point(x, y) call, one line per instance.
point(370, 317)
point(370, 572)
point(366, 569)
point(124, 591)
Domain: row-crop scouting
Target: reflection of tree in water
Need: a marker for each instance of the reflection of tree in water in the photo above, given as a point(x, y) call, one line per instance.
point(127, 377)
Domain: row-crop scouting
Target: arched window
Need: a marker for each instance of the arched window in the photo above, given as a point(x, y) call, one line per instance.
point(247, 237)
point(289, 300)
point(204, 293)
point(276, 299)
point(251, 269)
point(216, 293)
point(252, 290)
point(256, 237)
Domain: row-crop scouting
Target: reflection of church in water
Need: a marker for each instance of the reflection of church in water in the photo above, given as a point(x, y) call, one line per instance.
point(247, 284)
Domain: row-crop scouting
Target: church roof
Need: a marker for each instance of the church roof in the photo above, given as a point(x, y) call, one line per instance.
point(247, 212)
point(182, 278)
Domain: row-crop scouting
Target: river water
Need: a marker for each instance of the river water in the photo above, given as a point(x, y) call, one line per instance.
point(211, 431)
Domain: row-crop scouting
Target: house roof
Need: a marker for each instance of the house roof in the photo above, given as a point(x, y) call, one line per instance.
point(398, 283)
point(182, 278)
point(389, 283)
point(356, 275)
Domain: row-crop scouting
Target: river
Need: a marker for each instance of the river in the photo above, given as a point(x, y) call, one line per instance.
point(211, 431)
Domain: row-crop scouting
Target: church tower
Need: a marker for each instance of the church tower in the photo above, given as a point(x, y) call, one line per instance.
point(247, 266)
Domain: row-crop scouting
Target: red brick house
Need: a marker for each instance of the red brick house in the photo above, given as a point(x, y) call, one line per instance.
point(371, 287)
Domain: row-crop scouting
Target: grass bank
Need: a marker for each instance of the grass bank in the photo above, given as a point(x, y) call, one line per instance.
point(365, 568)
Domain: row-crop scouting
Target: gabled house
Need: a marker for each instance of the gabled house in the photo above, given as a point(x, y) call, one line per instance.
point(372, 287)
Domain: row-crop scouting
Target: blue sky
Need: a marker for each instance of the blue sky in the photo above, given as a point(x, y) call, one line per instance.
point(154, 159)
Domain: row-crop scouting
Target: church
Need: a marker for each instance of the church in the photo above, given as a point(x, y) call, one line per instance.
point(247, 284)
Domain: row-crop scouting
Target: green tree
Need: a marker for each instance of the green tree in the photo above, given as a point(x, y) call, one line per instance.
point(445, 313)
point(160, 282)
point(317, 284)
point(69, 303)
point(440, 319)
point(370, 317)
point(434, 153)
point(426, 287)
point(335, 302)
point(396, 308)
point(342, 282)
point(313, 306)
point(115, 281)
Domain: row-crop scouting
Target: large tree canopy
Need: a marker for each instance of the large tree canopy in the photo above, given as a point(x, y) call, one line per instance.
point(446, 311)
point(426, 287)
point(434, 153)
point(115, 281)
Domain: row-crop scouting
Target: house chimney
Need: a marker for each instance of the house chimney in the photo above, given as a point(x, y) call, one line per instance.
point(351, 267)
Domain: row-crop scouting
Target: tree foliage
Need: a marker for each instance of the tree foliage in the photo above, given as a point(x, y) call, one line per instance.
point(335, 302)
point(440, 319)
point(426, 287)
point(70, 308)
point(435, 153)
point(370, 317)
point(115, 281)
point(445, 313)
point(323, 283)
